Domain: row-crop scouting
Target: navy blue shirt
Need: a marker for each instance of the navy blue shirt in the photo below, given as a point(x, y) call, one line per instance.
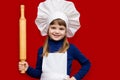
point(72, 54)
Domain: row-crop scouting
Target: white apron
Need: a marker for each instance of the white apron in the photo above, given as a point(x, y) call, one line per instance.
point(54, 67)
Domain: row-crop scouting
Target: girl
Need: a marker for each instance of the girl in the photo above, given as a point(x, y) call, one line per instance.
point(55, 57)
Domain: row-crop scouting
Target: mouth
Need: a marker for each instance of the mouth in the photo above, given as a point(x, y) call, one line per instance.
point(56, 36)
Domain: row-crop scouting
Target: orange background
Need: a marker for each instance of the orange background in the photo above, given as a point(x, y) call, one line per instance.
point(98, 38)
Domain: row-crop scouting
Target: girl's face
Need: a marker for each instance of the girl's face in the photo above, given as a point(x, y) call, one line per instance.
point(57, 32)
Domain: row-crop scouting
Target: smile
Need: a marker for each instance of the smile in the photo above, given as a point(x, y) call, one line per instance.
point(55, 35)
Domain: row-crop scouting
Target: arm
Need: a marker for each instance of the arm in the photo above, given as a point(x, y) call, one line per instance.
point(84, 62)
point(36, 73)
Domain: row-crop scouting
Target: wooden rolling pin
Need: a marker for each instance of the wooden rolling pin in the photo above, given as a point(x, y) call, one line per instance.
point(22, 35)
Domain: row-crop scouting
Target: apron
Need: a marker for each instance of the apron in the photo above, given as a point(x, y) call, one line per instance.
point(54, 67)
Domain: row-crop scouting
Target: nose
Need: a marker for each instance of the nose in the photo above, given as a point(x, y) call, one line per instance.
point(57, 30)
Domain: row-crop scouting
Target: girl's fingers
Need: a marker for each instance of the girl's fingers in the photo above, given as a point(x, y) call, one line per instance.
point(23, 65)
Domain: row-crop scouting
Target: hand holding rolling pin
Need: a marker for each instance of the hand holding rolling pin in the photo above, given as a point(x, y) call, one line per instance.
point(23, 66)
point(22, 40)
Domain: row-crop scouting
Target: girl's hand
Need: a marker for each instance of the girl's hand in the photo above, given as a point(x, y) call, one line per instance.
point(72, 78)
point(23, 66)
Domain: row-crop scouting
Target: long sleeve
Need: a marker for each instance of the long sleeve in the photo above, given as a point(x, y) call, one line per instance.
point(84, 62)
point(36, 73)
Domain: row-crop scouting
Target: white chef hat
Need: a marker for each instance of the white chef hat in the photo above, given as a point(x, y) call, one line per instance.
point(53, 9)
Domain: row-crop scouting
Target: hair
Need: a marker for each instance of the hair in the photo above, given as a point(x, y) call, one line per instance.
point(65, 45)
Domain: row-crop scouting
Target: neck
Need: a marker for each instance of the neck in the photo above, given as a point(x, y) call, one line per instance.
point(54, 45)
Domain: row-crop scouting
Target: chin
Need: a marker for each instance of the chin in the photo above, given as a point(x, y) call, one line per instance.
point(56, 39)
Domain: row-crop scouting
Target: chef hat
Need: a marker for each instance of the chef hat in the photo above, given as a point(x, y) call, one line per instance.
point(53, 9)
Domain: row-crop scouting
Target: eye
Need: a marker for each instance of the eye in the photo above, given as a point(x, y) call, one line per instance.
point(62, 28)
point(52, 27)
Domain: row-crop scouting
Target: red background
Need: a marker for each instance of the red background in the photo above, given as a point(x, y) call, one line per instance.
point(98, 38)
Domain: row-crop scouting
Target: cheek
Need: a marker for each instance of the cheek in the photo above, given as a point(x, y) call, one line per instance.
point(63, 32)
point(50, 31)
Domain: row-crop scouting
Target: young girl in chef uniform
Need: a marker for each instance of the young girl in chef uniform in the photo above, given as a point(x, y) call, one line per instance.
point(58, 19)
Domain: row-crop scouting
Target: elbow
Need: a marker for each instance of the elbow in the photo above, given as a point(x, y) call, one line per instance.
point(89, 64)
point(86, 65)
